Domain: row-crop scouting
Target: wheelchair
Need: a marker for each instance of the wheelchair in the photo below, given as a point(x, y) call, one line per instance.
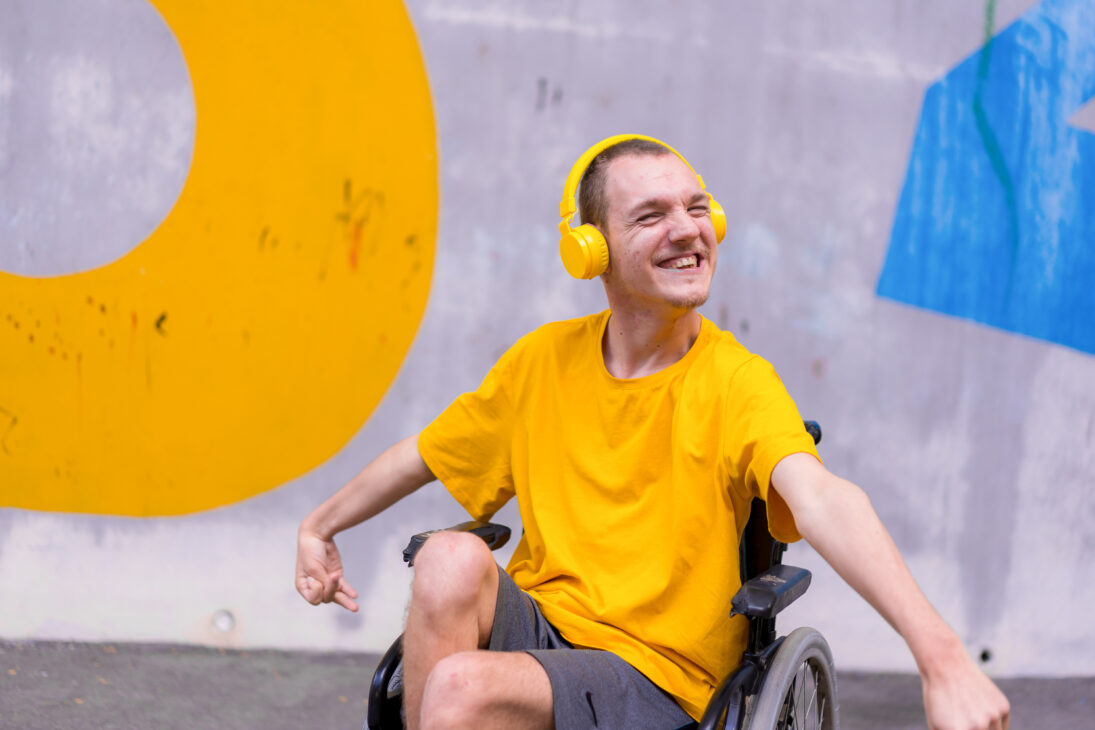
point(785, 682)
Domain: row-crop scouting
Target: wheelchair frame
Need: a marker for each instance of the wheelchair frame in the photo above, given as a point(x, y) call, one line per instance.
point(783, 683)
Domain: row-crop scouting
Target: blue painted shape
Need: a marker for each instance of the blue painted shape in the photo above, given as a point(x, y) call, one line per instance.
point(996, 221)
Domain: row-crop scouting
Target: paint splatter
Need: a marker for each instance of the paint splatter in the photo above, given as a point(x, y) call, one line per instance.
point(13, 421)
point(541, 94)
point(358, 214)
point(132, 333)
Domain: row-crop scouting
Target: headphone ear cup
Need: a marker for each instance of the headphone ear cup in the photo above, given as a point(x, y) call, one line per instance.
point(718, 218)
point(584, 252)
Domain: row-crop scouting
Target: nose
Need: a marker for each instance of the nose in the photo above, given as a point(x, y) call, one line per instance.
point(684, 228)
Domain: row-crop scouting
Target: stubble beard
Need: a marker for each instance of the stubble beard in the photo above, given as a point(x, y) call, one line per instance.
point(691, 298)
point(694, 301)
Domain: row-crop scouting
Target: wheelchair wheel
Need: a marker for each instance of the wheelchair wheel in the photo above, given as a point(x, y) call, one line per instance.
point(799, 688)
point(386, 691)
point(727, 708)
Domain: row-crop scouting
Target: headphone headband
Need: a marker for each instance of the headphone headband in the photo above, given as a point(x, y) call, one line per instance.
point(568, 206)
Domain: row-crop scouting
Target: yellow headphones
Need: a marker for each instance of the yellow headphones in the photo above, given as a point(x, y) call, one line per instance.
point(584, 249)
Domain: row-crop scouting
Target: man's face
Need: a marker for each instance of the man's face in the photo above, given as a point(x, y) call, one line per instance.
point(662, 247)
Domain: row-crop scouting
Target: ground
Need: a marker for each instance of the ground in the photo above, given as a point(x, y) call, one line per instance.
point(64, 685)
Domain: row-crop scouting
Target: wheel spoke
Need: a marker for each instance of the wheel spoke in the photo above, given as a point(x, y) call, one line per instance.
point(813, 696)
point(802, 695)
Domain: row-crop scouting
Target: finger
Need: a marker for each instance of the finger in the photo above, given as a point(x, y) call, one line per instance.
point(330, 587)
point(343, 600)
point(345, 587)
point(309, 589)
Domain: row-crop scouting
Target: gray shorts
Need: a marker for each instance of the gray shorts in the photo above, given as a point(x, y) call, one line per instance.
point(590, 688)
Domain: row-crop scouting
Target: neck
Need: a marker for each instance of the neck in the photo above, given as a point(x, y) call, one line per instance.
point(637, 344)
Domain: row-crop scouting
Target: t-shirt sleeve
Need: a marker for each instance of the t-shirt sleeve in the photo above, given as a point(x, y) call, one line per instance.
point(763, 426)
point(467, 447)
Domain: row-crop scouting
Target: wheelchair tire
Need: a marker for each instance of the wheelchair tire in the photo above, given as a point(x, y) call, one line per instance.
point(798, 691)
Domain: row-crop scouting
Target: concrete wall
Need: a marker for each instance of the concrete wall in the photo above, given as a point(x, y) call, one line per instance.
point(973, 435)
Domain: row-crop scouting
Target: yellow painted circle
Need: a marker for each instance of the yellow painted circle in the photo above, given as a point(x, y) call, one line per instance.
point(252, 334)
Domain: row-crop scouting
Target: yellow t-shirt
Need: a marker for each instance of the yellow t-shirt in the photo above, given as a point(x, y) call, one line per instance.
point(633, 493)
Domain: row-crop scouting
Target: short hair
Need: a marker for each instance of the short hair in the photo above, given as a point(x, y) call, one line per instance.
point(592, 207)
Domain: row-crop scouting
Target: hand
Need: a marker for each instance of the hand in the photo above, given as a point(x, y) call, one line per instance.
point(962, 697)
point(319, 572)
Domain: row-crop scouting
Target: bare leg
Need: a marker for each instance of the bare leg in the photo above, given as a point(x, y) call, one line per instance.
point(486, 690)
point(452, 610)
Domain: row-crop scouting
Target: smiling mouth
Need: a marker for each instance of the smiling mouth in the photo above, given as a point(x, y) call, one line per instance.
point(691, 261)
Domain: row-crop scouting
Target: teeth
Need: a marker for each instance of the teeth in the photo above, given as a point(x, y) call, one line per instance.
point(685, 263)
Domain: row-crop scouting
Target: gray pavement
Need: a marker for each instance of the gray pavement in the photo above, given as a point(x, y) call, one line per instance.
point(70, 686)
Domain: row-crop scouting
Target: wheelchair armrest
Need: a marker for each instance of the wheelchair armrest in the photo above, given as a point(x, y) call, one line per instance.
point(814, 429)
point(494, 535)
point(770, 592)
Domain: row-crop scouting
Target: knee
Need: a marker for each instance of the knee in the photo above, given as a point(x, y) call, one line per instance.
point(451, 570)
point(456, 694)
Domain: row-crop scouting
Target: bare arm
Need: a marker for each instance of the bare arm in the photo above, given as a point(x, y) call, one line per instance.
point(391, 476)
point(837, 519)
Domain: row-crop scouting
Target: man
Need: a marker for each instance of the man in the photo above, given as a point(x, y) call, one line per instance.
point(634, 440)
